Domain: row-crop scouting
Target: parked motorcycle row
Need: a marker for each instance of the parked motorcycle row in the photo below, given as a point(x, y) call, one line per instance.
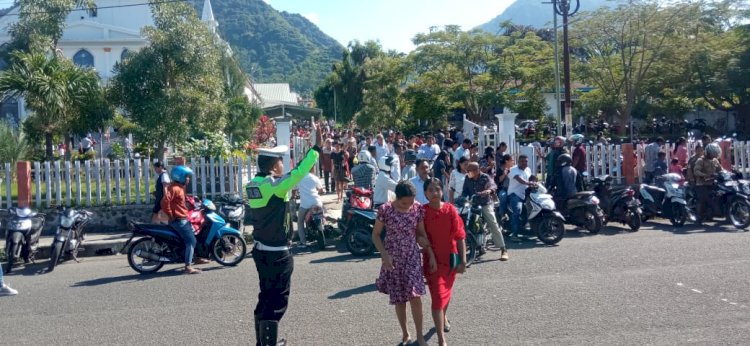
point(217, 232)
point(543, 219)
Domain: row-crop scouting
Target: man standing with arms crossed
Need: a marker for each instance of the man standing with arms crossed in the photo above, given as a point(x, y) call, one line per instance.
point(272, 229)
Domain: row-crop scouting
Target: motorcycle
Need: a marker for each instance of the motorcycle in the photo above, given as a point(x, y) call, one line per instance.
point(232, 208)
point(667, 201)
point(356, 198)
point(161, 244)
point(358, 236)
point(316, 228)
point(545, 222)
point(727, 201)
point(619, 204)
point(475, 227)
point(22, 232)
point(583, 210)
point(69, 235)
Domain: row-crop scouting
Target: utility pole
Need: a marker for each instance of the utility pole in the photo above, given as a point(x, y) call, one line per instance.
point(557, 73)
point(563, 8)
point(335, 106)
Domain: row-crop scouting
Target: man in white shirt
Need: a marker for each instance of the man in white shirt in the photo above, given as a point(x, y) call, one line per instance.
point(519, 180)
point(385, 186)
point(463, 151)
point(381, 147)
point(309, 188)
point(423, 169)
point(430, 150)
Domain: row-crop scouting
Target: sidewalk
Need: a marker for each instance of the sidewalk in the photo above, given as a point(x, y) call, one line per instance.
point(99, 244)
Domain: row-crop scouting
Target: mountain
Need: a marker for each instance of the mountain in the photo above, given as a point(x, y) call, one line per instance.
point(275, 46)
point(535, 13)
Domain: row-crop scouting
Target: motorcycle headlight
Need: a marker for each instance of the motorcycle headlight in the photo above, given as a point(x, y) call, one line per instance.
point(20, 224)
point(66, 222)
point(595, 200)
point(235, 213)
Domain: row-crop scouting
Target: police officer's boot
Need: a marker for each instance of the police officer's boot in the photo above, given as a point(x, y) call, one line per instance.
point(257, 331)
point(269, 333)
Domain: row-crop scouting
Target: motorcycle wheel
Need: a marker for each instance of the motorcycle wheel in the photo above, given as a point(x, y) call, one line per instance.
point(54, 256)
point(678, 215)
point(358, 241)
point(321, 241)
point(229, 244)
point(146, 266)
point(739, 213)
point(550, 230)
point(592, 222)
point(472, 249)
point(634, 221)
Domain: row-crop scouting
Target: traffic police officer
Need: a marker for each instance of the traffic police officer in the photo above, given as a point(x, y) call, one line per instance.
point(272, 231)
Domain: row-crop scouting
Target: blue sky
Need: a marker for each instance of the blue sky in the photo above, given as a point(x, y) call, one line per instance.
point(392, 22)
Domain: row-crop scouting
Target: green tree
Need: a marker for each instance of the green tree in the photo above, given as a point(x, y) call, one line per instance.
point(383, 103)
point(174, 85)
point(41, 23)
point(54, 89)
point(13, 145)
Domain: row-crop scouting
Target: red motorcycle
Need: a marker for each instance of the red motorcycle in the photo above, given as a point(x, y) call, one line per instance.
point(196, 217)
point(356, 198)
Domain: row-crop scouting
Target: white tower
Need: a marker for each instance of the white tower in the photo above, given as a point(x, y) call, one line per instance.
point(208, 16)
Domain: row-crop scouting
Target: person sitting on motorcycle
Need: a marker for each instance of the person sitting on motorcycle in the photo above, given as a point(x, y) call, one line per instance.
point(565, 188)
point(551, 159)
point(309, 188)
point(579, 159)
point(483, 187)
point(705, 171)
point(364, 173)
point(174, 206)
point(689, 174)
point(385, 186)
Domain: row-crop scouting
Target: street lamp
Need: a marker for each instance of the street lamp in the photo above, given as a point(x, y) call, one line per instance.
point(563, 8)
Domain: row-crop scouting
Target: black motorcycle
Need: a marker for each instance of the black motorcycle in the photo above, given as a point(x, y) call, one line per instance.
point(232, 209)
point(583, 210)
point(667, 199)
point(69, 235)
point(477, 234)
point(619, 204)
point(316, 228)
point(727, 201)
point(22, 232)
point(358, 236)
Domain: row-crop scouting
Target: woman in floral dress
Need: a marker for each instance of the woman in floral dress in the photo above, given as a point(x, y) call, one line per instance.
point(401, 275)
point(446, 234)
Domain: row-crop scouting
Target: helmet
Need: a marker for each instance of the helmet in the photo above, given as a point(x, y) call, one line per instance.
point(385, 163)
point(364, 156)
point(713, 150)
point(561, 139)
point(576, 139)
point(180, 173)
point(564, 160)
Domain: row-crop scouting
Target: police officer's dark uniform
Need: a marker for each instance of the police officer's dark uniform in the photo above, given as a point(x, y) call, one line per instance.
point(272, 232)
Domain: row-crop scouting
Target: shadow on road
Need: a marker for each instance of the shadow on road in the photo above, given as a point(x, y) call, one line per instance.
point(138, 277)
point(347, 257)
point(717, 227)
point(354, 291)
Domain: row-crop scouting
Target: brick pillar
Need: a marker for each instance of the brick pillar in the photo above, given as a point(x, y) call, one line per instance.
point(726, 155)
point(179, 160)
point(23, 177)
point(628, 163)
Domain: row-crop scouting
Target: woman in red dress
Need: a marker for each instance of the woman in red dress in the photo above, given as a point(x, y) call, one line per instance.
point(445, 230)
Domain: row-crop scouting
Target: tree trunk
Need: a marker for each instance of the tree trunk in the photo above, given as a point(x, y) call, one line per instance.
point(161, 152)
point(48, 146)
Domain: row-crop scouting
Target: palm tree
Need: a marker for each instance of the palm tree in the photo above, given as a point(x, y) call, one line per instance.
point(54, 89)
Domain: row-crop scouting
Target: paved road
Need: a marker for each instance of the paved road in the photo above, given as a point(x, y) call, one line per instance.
point(652, 287)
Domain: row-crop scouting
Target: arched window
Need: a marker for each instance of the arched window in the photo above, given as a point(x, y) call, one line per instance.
point(83, 58)
point(125, 54)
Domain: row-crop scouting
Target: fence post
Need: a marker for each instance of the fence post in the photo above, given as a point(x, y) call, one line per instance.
point(628, 163)
point(726, 155)
point(38, 183)
point(23, 178)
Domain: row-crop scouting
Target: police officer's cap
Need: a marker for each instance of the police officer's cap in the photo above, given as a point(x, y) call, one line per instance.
point(278, 151)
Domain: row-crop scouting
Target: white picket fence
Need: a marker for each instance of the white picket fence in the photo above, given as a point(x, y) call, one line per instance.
point(122, 182)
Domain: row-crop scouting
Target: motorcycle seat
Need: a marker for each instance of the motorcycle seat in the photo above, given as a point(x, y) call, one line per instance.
point(601, 179)
point(583, 195)
point(153, 226)
point(654, 189)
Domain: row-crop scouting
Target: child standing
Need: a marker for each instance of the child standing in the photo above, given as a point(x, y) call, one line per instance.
point(401, 275)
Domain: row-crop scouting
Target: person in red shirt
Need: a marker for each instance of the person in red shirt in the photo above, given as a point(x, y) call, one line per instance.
point(173, 204)
point(445, 231)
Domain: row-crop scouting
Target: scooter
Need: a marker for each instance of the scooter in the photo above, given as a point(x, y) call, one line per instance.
point(726, 201)
point(161, 244)
point(539, 212)
point(619, 204)
point(666, 200)
point(477, 234)
point(358, 235)
point(232, 208)
point(69, 235)
point(22, 232)
point(583, 210)
point(356, 198)
point(316, 228)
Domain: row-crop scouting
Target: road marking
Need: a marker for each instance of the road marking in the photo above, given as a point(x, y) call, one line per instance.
point(680, 284)
point(725, 300)
point(696, 291)
point(733, 303)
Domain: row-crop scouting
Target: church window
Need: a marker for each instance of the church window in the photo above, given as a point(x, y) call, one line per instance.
point(83, 58)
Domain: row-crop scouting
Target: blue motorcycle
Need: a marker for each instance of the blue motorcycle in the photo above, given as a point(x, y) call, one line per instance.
point(161, 244)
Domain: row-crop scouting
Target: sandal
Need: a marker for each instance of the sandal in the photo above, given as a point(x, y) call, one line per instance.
point(447, 326)
point(192, 271)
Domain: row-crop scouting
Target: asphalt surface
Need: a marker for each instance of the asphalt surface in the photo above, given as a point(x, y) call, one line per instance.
point(654, 287)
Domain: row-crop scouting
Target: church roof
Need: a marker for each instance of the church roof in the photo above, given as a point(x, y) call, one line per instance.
point(275, 94)
point(208, 12)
